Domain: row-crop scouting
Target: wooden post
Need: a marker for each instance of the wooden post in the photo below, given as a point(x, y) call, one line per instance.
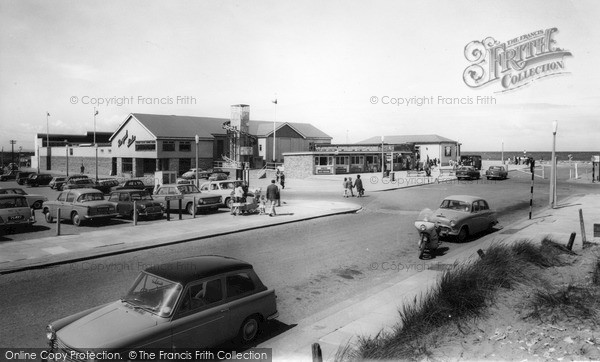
point(179, 203)
point(317, 354)
point(582, 226)
point(194, 212)
point(571, 241)
point(532, 168)
point(168, 210)
point(135, 214)
point(57, 221)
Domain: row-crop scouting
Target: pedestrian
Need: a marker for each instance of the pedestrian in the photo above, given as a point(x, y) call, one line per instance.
point(359, 186)
point(350, 186)
point(272, 191)
point(345, 186)
point(262, 205)
point(282, 180)
point(277, 174)
point(82, 168)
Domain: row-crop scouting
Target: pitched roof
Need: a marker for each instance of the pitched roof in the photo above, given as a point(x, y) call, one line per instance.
point(170, 126)
point(428, 138)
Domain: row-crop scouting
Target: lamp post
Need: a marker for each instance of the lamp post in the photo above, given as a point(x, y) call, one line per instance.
point(19, 159)
point(197, 139)
point(382, 159)
point(95, 144)
point(553, 169)
point(502, 152)
point(67, 152)
point(274, 130)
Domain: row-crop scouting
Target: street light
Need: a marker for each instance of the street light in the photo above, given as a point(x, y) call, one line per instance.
point(67, 151)
point(502, 152)
point(553, 169)
point(197, 140)
point(382, 159)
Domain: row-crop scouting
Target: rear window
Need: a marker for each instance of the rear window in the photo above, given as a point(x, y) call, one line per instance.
point(239, 284)
point(9, 203)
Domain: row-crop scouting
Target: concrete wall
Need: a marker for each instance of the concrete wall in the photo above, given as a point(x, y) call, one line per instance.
point(299, 166)
point(59, 165)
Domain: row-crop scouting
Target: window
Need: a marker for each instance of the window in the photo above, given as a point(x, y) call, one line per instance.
point(62, 196)
point(70, 197)
point(114, 197)
point(341, 160)
point(357, 160)
point(145, 145)
point(168, 146)
point(124, 197)
point(127, 164)
point(202, 294)
point(323, 160)
point(185, 146)
point(483, 205)
point(447, 151)
point(13, 202)
point(239, 284)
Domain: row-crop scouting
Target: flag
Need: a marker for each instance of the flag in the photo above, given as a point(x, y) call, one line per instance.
point(47, 114)
point(274, 101)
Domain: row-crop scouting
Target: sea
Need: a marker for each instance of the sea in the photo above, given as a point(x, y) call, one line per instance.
point(537, 155)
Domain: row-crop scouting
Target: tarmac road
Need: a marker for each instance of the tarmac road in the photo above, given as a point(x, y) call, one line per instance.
point(312, 264)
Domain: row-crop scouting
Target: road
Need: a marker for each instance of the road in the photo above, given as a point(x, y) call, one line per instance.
point(312, 264)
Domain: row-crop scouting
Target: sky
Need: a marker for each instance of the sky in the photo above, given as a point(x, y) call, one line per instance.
point(347, 67)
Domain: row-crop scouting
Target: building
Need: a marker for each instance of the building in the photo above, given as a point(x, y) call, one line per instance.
point(426, 147)
point(145, 143)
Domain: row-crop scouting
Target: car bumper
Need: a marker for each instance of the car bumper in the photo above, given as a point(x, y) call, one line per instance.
point(100, 216)
point(448, 231)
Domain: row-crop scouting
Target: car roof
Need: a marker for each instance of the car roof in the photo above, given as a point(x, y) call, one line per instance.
point(191, 269)
point(466, 198)
point(175, 185)
point(10, 196)
point(83, 191)
point(128, 190)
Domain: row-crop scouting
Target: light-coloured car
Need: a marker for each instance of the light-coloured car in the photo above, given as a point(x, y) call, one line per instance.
point(464, 215)
point(187, 193)
point(35, 201)
point(79, 205)
point(197, 302)
point(15, 211)
point(224, 188)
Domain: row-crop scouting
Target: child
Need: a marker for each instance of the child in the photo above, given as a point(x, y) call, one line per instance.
point(262, 205)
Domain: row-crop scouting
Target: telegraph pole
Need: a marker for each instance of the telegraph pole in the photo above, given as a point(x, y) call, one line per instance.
point(12, 153)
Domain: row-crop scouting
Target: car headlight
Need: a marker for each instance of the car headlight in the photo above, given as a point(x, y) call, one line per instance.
point(452, 223)
point(422, 227)
point(143, 207)
point(50, 334)
point(200, 202)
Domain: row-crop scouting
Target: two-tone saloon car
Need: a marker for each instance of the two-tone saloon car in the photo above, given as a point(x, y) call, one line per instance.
point(464, 215)
point(15, 211)
point(79, 205)
point(35, 201)
point(496, 172)
point(144, 203)
point(187, 193)
point(197, 302)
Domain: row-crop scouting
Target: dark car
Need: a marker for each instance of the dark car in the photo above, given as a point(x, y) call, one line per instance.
point(57, 182)
point(144, 203)
point(11, 175)
point(79, 205)
point(22, 176)
point(38, 179)
point(496, 172)
point(133, 185)
point(467, 172)
point(106, 185)
point(78, 182)
point(196, 302)
point(217, 176)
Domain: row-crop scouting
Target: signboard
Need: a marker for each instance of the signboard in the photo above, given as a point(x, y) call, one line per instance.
point(246, 151)
point(595, 158)
point(173, 197)
point(597, 230)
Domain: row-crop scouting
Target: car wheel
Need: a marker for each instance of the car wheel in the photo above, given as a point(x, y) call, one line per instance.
point(463, 234)
point(229, 203)
point(190, 208)
point(76, 219)
point(249, 330)
point(37, 205)
point(48, 216)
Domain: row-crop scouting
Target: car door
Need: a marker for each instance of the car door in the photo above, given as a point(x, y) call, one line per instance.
point(242, 299)
point(68, 205)
point(125, 204)
point(487, 215)
point(477, 219)
point(200, 320)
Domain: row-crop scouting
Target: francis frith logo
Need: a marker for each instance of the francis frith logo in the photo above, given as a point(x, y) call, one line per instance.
point(516, 62)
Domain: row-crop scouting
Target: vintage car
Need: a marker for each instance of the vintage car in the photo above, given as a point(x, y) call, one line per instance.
point(216, 176)
point(35, 201)
point(11, 175)
point(78, 182)
point(196, 302)
point(191, 174)
point(106, 185)
point(223, 188)
point(79, 205)
point(187, 193)
point(463, 215)
point(133, 184)
point(498, 172)
point(144, 203)
point(38, 179)
point(57, 182)
point(22, 176)
point(15, 211)
point(467, 172)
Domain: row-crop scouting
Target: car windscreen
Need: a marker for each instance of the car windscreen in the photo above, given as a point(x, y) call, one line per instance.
point(154, 294)
point(95, 196)
point(455, 205)
point(140, 196)
point(187, 189)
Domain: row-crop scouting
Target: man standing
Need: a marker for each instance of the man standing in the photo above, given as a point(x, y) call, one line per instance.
point(359, 186)
point(272, 191)
point(282, 180)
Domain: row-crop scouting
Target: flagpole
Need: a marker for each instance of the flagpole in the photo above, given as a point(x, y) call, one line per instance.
point(95, 144)
point(274, 130)
point(47, 142)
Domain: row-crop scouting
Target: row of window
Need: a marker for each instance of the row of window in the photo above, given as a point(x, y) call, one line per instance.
point(167, 146)
point(345, 160)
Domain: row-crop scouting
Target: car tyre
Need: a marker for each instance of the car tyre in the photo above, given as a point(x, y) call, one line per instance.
point(229, 203)
point(76, 219)
point(249, 330)
point(463, 234)
point(190, 208)
point(48, 217)
point(37, 205)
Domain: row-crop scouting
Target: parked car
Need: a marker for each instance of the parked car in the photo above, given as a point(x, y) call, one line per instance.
point(79, 205)
point(38, 179)
point(22, 176)
point(34, 201)
point(11, 175)
point(78, 182)
point(106, 185)
point(204, 201)
point(463, 215)
point(133, 184)
point(145, 204)
point(57, 182)
point(15, 211)
point(467, 172)
point(197, 302)
point(223, 188)
point(191, 174)
point(498, 172)
point(218, 176)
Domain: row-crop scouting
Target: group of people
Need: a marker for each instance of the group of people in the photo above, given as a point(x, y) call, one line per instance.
point(349, 187)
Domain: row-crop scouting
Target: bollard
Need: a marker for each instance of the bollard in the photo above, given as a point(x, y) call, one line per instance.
point(194, 212)
point(180, 201)
point(135, 214)
point(168, 210)
point(317, 354)
point(576, 173)
point(571, 241)
point(583, 240)
point(57, 221)
point(480, 253)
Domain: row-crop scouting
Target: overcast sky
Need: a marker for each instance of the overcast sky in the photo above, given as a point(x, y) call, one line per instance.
point(324, 61)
